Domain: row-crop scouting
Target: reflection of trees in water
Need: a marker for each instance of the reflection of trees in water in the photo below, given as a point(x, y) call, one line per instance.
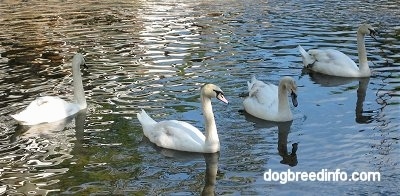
point(35, 155)
point(34, 59)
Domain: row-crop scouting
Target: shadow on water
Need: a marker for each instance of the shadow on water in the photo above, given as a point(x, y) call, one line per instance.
point(283, 133)
point(333, 81)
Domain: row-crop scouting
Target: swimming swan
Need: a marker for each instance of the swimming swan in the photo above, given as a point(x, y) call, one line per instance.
point(333, 62)
point(269, 102)
point(179, 135)
point(49, 108)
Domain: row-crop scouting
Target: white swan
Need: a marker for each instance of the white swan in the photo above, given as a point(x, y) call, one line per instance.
point(333, 62)
point(270, 102)
point(179, 135)
point(49, 108)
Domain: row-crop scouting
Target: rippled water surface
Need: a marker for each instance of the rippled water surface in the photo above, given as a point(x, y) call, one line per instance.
point(156, 55)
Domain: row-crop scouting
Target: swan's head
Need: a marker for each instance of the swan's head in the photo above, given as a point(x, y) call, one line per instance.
point(367, 29)
point(213, 91)
point(289, 84)
point(80, 60)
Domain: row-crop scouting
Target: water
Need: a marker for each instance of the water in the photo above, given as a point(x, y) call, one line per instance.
point(152, 55)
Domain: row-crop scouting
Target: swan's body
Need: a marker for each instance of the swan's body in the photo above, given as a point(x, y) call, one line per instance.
point(270, 102)
point(179, 135)
point(333, 62)
point(50, 108)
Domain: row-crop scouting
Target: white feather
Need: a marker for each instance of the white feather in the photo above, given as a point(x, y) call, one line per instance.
point(335, 63)
point(182, 136)
point(264, 101)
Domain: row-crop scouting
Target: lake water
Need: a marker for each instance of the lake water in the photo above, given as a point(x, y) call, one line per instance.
point(156, 55)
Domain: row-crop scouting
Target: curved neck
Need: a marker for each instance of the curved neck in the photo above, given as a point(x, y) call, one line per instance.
point(79, 93)
point(362, 54)
point(283, 105)
point(211, 128)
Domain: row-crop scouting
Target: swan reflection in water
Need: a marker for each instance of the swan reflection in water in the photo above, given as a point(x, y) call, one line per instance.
point(211, 160)
point(333, 81)
point(211, 173)
point(283, 133)
point(37, 149)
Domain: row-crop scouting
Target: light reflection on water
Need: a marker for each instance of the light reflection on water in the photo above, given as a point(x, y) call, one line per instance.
point(156, 56)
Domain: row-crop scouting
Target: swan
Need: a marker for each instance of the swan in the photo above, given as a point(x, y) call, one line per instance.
point(270, 102)
point(182, 136)
point(333, 62)
point(50, 108)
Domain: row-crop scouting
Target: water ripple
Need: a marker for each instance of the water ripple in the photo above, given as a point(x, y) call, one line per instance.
point(156, 55)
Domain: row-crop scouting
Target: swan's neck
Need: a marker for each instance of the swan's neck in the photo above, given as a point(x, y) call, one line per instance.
point(362, 55)
point(283, 105)
point(79, 93)
point(212, 140)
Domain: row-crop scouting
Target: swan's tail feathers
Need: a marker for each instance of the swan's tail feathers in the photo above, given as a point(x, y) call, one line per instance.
point(17, 117)
point(248, 85)
point(251, 83)
point(145, 119)
point(246, 94)
point(253, 79)
point(26, 120)
point(308, 60)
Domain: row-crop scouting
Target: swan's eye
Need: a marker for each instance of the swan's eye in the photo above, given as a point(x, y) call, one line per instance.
point(372, 31)
point(219, 93)
point(293, 94)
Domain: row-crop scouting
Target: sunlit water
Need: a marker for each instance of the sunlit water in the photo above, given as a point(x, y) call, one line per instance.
point(156, 55)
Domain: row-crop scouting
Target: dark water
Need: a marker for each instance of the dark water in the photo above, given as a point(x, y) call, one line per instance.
point(156, 55)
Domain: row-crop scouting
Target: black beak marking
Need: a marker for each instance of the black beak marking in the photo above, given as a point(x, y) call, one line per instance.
point(218, 92)
point(220, 96)
point(294, 99)
point(373, 33)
